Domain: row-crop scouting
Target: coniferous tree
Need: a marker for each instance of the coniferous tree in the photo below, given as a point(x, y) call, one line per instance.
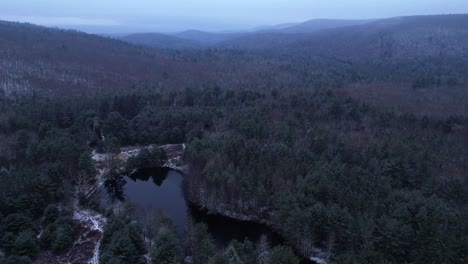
point(283, 255)
point(263, 251)
point(201, 243)
point(166, 248)
point(26, 244)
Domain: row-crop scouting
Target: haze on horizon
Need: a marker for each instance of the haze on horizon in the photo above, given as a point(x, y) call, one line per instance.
point(124, 16)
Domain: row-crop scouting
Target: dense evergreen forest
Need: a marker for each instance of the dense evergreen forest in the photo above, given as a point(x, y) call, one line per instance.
point(267, 140)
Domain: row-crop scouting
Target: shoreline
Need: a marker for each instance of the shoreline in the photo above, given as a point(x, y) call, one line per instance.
point(175, 163)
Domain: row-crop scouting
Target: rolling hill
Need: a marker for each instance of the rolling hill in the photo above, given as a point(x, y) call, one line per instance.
point(197, 38)
point(315, 25)
point(413, 52)
point(158, 40)
point(420, 45)
point(207, 38)
point(47, 61)
point(402, 38)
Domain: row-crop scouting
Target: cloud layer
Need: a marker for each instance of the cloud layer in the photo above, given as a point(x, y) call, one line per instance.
point(177, 15)
point(61, 21)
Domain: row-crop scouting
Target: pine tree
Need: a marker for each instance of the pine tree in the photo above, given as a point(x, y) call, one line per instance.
point(263, 251)
point(86, 164)
point(246, 250)
point(17, 260)
point(283, 255)
point(136, 236)
point(7, 241)
point(26, 244)
point(201, 244)
point(122, 248)
point(166, 248)
point(62, 240)
point(232, 255)
point(220, 258)
point(51, 214)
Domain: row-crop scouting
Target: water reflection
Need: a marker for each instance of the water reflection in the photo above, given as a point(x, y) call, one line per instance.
point(150, 190)
point(158, 175)
point(114, 185)
point(225, 229)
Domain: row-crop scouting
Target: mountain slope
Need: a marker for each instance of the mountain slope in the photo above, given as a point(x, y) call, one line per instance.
point(419, 36)
point(51, 62)
point(265, 40)
point(420, 51)
point(274, 27)
point(64, 62)
point(157, 40)
point(197, 38)
point(207, 38)
point(431, 48)
point(321, 24)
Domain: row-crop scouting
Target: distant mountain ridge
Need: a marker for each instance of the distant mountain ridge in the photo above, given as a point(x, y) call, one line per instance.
point(42, 61)
point(200, 38)
point(275, 27)
point(206, 38)
point(399, 38)
point(420, 50)
point(315, 25)
point(313, 32)
point(392, 34)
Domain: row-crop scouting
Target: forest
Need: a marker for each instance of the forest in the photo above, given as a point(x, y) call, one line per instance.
point(268, 137)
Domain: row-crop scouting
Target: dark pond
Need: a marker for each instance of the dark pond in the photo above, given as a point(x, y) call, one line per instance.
point(162, 189)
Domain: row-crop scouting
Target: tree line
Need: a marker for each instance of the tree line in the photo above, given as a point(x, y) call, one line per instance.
point(360, 184)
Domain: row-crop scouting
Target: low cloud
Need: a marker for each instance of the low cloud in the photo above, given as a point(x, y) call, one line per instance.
point(61, 21)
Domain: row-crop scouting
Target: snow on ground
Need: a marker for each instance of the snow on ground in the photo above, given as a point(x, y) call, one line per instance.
point(94, 220)
point(98, 157)
point(318, 260)
point(175, 153)
point(89, 228)
point(95, 259)
point(93, 223)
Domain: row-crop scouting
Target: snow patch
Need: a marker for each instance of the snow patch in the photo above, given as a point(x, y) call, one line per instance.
point(93, 221)
point(98, 157)
point(318, 260)
point(95, 259)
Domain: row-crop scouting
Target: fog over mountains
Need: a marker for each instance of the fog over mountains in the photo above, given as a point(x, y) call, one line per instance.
point(198, 38)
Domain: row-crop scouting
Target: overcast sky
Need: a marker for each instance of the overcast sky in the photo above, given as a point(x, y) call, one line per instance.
point(215, 15)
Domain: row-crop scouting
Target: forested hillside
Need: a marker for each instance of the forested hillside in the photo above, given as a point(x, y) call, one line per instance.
point(50, 62)
point(163, 41)
point(325, 171)
point(429, 50)
point(197, 38)
point(421, 52)
point(315, 25)
point(350, 143)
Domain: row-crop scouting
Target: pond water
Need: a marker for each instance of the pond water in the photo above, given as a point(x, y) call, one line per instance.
point(156, 189)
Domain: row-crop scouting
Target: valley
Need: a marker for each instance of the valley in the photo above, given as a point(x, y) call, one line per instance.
point(328, 141)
